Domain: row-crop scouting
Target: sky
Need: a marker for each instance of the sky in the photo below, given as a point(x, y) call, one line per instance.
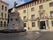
point(11, 2)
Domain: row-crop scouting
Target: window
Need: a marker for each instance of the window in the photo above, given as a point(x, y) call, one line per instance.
point(33, 17)
point(24, 18)
point(32, 9)
point(2, 7)
point(5, 8)
point(33, 24)
point(1, 23)
point(24, 11)
point(4, 24)
point(2, 14)
point(24, 24)
point(41, 15)
point(52, 23)
point(41, 7)
point(5, 15)
point(51, 13)
point(51, 4)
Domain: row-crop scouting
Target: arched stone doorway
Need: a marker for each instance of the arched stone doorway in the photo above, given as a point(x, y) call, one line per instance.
point(42, 25)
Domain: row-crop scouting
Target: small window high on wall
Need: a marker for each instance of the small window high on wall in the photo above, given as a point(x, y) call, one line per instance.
point(51, 4)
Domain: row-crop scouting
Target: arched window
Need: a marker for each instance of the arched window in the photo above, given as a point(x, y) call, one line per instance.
point(1, 23)
point(5, 8)
point(5, 15)
point(2, 7)
point(2, 14)
point(4, 24)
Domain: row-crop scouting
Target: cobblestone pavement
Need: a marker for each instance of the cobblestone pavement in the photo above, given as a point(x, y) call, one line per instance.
point(46, 36)
point(27, 36)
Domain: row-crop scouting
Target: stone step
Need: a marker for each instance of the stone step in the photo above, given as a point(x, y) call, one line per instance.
point(44, 30)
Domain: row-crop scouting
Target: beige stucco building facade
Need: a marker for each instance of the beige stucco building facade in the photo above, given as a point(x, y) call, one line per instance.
point(37, 15)
point(3, 14)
